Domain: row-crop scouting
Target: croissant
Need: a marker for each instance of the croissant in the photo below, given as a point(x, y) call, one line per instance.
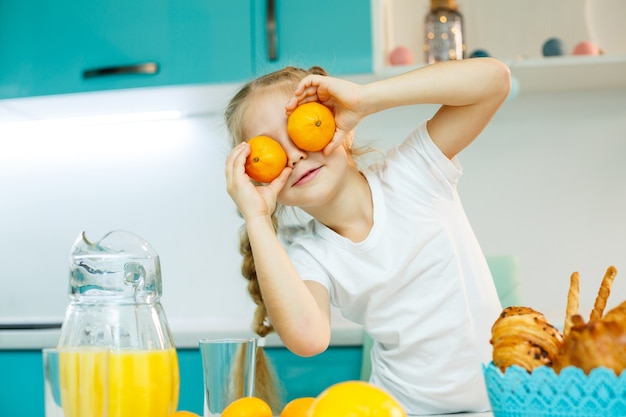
point(522, 336)
point(596, 343)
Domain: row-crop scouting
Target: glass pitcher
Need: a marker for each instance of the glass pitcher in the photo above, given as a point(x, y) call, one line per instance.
point(115, 324)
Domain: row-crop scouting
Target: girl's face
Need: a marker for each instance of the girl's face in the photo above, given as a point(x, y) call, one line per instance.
point(315, 178)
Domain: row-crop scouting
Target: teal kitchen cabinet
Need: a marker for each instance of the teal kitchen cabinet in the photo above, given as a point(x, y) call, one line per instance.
point(69, 46)
point(21, 377)
point(72, 46)
point(336, 35)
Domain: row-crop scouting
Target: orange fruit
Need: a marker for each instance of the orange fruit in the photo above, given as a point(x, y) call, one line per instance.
point(266, 160)
point(311, 126)
point(247, 407)
point(297, 407)
point(183, 413)
point(355, 399)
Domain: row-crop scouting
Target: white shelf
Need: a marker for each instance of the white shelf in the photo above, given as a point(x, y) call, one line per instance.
point(562, 73)
point(570, 73)
point(514, 32)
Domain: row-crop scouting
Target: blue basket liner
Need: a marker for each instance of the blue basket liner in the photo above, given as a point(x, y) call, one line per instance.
point(543, 393)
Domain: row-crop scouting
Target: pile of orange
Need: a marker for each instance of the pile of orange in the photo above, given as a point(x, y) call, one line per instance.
point(297, 407)
point(344, 399)
point(266, 160)
point(183, 413)
point(247, 407)
point(311, 126)
point(355, 399)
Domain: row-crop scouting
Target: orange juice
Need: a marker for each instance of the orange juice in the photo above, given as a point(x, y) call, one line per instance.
point(126, 383)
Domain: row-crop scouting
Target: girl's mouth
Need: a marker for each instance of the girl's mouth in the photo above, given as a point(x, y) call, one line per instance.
point(307, 177)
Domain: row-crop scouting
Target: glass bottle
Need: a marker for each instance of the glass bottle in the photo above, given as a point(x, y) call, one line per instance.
point(444, 32)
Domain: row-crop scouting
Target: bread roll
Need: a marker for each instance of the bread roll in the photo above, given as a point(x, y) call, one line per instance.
point(522, 336)
point(596, 343)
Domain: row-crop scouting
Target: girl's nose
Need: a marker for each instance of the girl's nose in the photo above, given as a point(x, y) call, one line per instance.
point(296, 156)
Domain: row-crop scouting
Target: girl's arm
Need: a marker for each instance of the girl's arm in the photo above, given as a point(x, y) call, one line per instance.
point(299, 310)
point(470, 92)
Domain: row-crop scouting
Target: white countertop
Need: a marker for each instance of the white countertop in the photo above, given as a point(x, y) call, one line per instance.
point(186, 333)
point(486, 414)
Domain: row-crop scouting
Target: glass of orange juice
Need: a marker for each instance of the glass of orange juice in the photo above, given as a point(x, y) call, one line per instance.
point(98, 382)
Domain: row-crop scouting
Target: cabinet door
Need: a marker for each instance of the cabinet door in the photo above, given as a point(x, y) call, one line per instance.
point(336, 35)
point(46, 47)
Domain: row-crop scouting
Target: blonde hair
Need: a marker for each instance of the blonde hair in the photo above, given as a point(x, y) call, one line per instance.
point(284, 80)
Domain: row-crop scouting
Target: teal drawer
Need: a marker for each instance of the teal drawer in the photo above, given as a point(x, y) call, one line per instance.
point(21, 377)
point(299, 377)
point(307, 377)
point(21, 383)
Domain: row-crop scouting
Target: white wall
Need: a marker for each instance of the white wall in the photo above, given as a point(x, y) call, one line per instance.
point(160, 180)
point(544, 182)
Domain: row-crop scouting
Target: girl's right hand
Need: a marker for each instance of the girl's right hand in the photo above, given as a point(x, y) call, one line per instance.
point(251, 200)
point(341, 96)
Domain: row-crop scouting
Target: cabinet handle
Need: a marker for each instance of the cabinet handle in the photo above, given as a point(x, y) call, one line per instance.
point(271, 32)
point(145, 68)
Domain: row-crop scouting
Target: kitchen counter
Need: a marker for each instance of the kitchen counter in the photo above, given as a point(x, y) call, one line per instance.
point(186, 333)
point(486, 414)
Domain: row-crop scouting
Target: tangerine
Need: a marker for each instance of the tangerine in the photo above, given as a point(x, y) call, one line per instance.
point(297, 407)
point(355, 399)
point(247, 407)
point(183, 413)
point(266, 160)
point(311, 126)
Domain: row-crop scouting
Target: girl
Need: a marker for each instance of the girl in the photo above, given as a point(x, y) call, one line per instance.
point(389, 245)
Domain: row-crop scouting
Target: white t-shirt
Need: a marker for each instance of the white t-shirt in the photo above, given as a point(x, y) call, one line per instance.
point(419, 283)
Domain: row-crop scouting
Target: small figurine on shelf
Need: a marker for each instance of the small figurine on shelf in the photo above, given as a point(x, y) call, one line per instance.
point(444, 32)
point(401, 55)
point(553, 47)
point(586, 48)
point(479, 53)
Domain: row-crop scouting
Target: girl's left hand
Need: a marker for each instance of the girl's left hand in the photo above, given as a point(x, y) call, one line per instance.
point(341, 96)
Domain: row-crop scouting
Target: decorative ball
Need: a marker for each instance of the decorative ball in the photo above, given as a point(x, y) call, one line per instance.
point(514, 91)
point(479, 53)
point(553, 47)
point(401, 55)
point(586, 48)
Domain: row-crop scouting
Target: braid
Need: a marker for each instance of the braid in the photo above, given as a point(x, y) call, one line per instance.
point(260, 324)
point(266, 384)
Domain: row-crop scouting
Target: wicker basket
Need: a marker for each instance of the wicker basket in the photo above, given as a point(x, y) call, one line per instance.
point(543, 393)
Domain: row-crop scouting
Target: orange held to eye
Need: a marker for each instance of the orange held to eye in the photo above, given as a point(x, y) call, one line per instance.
point(247, 407)
point(355, 399)
point(266, 160)
point(311, 126)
